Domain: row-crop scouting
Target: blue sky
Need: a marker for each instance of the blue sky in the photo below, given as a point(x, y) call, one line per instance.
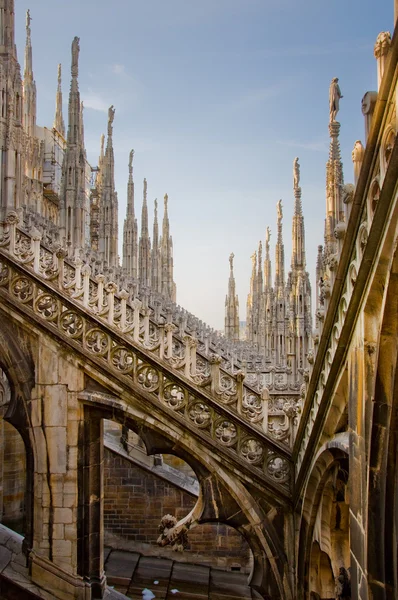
point(216, 97)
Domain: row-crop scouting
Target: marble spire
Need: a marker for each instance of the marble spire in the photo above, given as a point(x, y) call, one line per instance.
point(144, 257)
point(279, 253)
point(59, 123)
point(298, 233)
point(267, 262)
point(74, 205)
point(29, 84)
point(130, 229)
point(166, 251)
point(108, 226)
point(7, 29)
point(231, 325)
point(252, 303)
point(334, 185)
point(11, 111)
point(155, 254)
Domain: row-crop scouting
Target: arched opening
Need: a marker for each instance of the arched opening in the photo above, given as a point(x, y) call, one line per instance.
point(324, 551)
point(12, 467)
point(140, 489)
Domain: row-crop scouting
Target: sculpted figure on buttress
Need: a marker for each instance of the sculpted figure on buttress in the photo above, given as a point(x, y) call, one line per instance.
point(296, 173)
point(334, 98)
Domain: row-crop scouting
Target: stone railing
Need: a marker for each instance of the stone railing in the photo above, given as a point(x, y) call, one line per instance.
point(235, 355)
point(156, 334)
point(120, 336)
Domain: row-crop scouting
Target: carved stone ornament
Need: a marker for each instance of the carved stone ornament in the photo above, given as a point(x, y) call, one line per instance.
point(383, 43)
point(178, 540)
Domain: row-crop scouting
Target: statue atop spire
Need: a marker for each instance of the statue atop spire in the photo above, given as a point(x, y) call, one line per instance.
point(279, 210)
point(131, 158)
point(75, 56)
point(28, 22)
point(111, 116)
point(267, 237)
point(231, 323)
point(334, 99)
point(296, 173)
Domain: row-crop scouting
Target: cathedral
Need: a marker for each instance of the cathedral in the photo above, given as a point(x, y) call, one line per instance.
point(143, 454)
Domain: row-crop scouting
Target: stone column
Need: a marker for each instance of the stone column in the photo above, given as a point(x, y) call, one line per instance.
point(91, 502)
point(55, 415)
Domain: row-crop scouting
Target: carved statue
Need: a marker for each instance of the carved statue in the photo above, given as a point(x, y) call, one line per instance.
point(267, 236)
point(166, 199)
point(279, 209)
point(177, 539)
point(75, 56)
point(131, 157)
point(334, 99)
point(111, 114)
point(28, 21)
point(296, 173)
point(254, 259)
point(231, 260)
point(59, 74)
point(343, 585)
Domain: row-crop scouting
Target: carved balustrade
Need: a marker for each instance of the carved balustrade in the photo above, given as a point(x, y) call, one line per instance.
point(119, 333)
point(134, 318)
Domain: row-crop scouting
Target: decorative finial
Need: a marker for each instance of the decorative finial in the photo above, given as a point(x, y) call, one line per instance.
point(296, 173)
point(131, 157)
point(254, 260)
point(334, 99)
point(231, 260)
point(111, 116)
point(166, 199)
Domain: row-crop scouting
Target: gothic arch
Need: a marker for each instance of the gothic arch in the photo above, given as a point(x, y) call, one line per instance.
point(222, 499)
point(17, 363)
point(317, 496)
point(382, 515)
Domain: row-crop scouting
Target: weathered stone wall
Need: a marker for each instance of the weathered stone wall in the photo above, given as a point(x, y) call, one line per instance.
point(135, 502)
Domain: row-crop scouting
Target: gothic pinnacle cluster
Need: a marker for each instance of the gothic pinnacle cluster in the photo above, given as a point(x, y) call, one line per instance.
point(48, 180)
point(278, 320)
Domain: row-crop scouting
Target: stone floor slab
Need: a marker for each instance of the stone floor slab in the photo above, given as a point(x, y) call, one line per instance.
point(191, 581)
point(121, 564)
point(225, 585)
point(149, 570)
